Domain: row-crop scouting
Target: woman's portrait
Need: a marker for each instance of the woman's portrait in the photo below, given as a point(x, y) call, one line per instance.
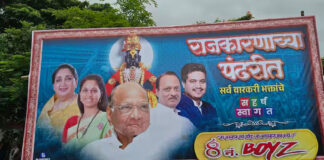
point(63, 104)
point(92, 124)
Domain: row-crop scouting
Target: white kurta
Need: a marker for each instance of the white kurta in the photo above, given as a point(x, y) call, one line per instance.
point(166, 133)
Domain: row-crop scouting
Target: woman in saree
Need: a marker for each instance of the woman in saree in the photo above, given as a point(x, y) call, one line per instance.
point(63, 104)
point(92, 124)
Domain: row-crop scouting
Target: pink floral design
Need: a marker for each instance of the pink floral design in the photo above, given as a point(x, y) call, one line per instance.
point(100, 126)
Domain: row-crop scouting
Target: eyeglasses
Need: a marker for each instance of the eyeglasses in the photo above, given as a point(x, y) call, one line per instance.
point(127, 108)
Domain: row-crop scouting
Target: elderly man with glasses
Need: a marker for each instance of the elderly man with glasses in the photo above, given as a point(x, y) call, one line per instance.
point(129, 113)
point(141, 132)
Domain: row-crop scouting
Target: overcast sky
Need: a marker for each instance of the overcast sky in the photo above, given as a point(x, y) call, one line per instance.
point(183, 12)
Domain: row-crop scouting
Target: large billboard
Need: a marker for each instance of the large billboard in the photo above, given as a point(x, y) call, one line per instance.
point(116, 93)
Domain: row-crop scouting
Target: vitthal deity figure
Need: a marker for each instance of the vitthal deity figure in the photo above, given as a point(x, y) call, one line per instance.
point(132, 69)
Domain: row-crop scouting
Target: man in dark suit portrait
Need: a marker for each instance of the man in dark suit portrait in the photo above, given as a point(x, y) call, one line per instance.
point(200, 113)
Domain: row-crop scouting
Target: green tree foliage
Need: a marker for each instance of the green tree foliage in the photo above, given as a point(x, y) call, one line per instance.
point(14, 13)
point(136, 12)
point(13, 88)
point(18, 18)
point(14, 64)
point(17, 40)
point(41, 4)
point(247, 16)
point(85, 18)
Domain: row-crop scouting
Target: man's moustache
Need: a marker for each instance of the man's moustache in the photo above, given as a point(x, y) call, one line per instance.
point(173, 97)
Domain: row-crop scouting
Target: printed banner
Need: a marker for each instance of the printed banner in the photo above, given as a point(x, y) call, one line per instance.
point(118, 92)
point(266, 145)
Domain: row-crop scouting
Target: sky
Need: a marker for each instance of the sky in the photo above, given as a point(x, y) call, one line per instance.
point(186, 12)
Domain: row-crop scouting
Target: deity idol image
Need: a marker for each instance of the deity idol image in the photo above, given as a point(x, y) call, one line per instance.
point(132, 69)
